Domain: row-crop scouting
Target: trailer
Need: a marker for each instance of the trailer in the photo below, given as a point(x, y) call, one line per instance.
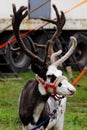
point(34, 30)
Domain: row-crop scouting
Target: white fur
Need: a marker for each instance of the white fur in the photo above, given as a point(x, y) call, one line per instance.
point(41, 89)
point(52, 69)
point(38, 111)
point(66, 88)
point(58, 121)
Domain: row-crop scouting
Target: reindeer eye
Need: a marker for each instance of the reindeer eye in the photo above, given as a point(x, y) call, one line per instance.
point(60, 84)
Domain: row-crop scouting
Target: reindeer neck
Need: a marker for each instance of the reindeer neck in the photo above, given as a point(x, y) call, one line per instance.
point(40, 92)
point(37, 105)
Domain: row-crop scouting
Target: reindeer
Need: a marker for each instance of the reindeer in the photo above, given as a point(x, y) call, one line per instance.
point(48, 91)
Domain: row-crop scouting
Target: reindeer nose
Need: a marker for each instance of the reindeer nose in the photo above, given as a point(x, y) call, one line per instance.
point(72, 91)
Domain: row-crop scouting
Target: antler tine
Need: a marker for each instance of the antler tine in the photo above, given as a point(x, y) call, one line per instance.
point(17, 18)
point(59, 22)
point(68, 54)
point(54, 55)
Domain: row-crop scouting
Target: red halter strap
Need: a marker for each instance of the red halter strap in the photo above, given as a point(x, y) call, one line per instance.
point(47, 85)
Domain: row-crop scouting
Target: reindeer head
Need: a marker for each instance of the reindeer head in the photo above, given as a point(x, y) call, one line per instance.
point(55, 82)
point(48, 75)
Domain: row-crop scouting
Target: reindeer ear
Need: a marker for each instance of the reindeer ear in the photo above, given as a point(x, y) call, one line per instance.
point(41, 71)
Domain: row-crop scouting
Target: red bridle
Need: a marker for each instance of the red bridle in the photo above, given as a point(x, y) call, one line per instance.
point(53, 85)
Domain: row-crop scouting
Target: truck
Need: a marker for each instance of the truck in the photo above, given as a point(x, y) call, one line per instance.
point(33, 29)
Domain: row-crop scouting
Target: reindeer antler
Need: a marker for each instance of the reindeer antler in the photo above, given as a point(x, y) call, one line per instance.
point(17, 18)
point(59, 22)
point(67, 55)
point(38, 65)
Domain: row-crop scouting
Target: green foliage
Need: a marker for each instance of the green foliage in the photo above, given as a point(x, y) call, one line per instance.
point(76, 110)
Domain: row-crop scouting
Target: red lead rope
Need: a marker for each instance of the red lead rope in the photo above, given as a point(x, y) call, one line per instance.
point(50, 85)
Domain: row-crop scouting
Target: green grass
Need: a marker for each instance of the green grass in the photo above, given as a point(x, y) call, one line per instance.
point(76, 110)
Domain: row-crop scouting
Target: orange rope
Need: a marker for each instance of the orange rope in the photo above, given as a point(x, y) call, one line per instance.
point(38, 27)
point(79, 76)
point(79, 4)
point(14, 39)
